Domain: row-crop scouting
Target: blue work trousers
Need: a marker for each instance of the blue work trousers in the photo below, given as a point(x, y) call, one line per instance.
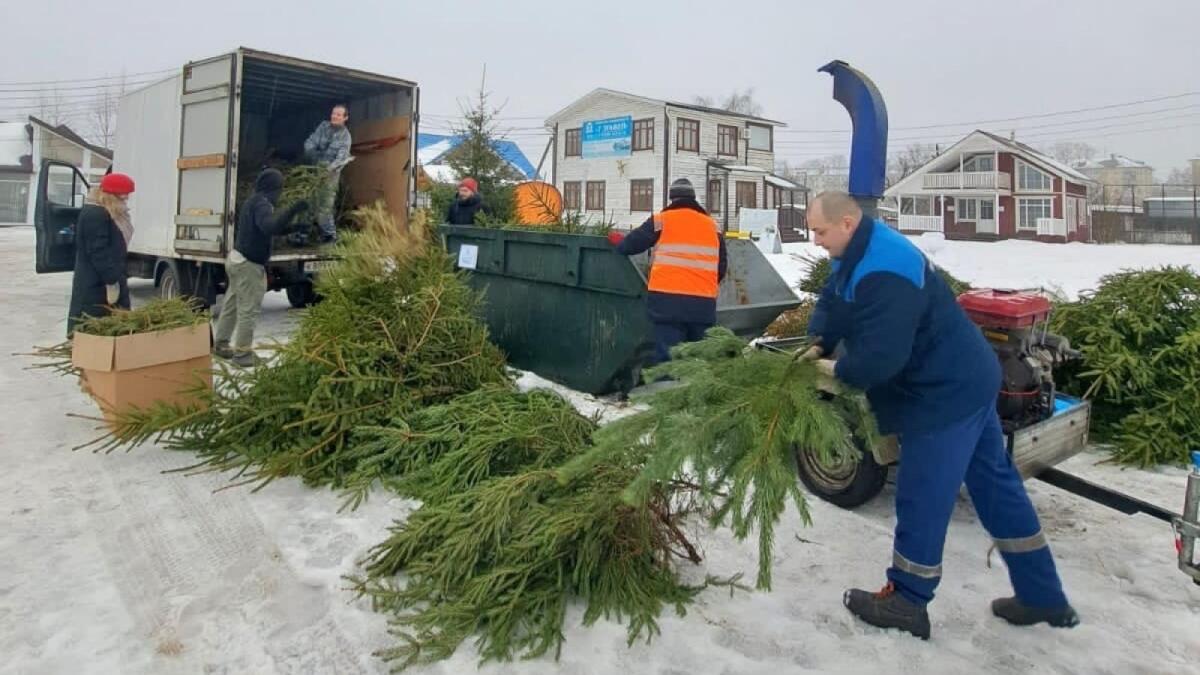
point(932, 468)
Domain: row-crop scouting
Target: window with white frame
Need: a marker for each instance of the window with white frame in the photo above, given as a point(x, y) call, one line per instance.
point(987, 209)
point(916, 206)
point(968, 209)
point(1029, 178)
point(1029, 210)
point(979, 163)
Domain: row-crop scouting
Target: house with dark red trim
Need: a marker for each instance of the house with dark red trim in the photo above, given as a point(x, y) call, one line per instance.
point(988, 187)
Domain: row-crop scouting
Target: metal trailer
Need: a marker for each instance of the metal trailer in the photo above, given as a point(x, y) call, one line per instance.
point(190, 139)
point(1034, 449)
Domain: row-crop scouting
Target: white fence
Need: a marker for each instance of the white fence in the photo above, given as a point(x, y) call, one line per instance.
point(920, 223)
point(1052, 227)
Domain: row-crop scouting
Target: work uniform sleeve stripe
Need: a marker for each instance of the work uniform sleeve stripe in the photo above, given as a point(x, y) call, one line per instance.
point(676, 261)
point(1022, 544)
point(688, 248)
point(916, 569)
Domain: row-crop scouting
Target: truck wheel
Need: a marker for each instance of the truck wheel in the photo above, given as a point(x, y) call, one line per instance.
point(168, 283)
point(847, 483)
point(301, 295)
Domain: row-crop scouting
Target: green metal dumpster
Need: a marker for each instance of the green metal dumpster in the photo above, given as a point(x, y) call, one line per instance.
point(569, 308)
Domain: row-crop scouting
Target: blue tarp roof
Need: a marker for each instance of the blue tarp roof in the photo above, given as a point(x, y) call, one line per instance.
point(508, 151)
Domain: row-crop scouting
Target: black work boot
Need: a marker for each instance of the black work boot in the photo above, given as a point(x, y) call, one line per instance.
point(1012, 611)
point(888, 609)
point(245, 359)
point(222, 350)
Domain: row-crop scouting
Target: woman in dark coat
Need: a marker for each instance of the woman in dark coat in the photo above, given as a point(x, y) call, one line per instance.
point(102, 236)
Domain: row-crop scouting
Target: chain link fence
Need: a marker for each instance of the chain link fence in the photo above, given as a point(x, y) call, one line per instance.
point(1159, 213)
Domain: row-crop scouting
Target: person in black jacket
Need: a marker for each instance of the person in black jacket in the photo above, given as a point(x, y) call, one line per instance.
point(466, 203)
point(102, 236)
point(245, 270)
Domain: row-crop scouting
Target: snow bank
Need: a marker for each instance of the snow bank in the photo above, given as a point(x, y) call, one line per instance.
point(1065, 268)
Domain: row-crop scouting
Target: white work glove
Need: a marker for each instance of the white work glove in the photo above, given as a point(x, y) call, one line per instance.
point(827, 380)
point(812, 353)
point(113, 293)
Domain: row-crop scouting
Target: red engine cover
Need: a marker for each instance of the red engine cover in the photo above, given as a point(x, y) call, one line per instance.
point(994, 308)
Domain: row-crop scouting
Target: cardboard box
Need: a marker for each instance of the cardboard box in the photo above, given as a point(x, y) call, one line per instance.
point(136, 371)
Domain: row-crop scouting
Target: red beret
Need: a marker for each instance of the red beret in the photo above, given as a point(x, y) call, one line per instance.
point(469, 183)
point(116, 184)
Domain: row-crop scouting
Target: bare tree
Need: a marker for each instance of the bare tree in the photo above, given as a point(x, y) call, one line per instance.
point(103, 116)
point(1181, 177)
point(1071, 152)
point(51, 107)
point(738, 102)
point(824, 173)
point(908, 160)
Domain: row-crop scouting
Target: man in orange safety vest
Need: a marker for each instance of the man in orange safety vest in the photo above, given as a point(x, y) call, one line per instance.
point(687, 266)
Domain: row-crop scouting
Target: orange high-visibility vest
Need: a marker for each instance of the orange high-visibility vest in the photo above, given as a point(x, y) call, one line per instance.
point(687, 254)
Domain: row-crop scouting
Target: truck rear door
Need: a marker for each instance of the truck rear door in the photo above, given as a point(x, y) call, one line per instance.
point(206, 156)
point(60, 193)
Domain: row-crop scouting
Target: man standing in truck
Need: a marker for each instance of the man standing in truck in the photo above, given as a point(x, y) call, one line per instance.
point(329, 146)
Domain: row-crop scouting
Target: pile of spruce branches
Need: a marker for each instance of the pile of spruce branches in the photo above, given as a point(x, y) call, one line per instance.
point(1139, 333)
point(527, 506)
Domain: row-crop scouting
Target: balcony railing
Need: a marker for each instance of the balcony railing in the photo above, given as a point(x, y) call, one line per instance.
point(970, 180)
point(920, 223)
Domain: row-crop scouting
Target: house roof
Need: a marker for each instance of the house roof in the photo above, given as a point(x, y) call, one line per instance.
point(432, 149)
point(781, 182)
point(1112, 162)
point(67, 133)
point(658, 102)
point(14, 148)
point(1049, 162)
point(981, 139)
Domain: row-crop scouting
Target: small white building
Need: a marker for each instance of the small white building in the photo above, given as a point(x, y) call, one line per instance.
point(616, 154)
point(23, 148)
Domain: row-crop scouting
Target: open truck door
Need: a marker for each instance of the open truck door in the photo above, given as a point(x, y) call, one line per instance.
point(60, 194)
point(204, 217)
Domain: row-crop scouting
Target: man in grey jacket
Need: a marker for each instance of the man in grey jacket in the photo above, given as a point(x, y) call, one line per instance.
point(329, 146)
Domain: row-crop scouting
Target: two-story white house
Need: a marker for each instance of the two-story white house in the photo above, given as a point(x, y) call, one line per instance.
point(616, 154)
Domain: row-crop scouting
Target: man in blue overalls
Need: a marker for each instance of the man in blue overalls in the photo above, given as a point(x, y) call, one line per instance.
point(931, 379)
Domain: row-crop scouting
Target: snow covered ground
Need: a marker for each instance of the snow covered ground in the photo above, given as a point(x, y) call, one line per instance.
point(1064, 268)
point(107, 565)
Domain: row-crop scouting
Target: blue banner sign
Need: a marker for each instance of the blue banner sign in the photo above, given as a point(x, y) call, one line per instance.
point(608, 138)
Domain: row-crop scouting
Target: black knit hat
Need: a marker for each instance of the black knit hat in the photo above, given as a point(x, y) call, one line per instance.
point(681, 189)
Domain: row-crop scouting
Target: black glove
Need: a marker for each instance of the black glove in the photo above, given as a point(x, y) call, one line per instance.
point(299, 206)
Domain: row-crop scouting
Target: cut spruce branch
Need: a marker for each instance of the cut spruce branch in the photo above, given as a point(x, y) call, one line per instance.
point(501, 562)
point(733, 425)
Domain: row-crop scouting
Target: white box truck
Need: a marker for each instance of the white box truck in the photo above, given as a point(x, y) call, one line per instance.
point(189, 140)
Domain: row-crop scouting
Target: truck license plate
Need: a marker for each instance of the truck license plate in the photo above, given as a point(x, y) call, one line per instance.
point(318, 265)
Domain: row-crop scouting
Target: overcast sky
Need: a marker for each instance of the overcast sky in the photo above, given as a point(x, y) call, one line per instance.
point(935, 62)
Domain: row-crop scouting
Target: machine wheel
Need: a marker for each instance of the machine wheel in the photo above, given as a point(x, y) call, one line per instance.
point(846, 483)
point(301, 295)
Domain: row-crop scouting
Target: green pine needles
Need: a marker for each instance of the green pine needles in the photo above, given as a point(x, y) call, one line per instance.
point(1139, 332)
point(732, 427)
